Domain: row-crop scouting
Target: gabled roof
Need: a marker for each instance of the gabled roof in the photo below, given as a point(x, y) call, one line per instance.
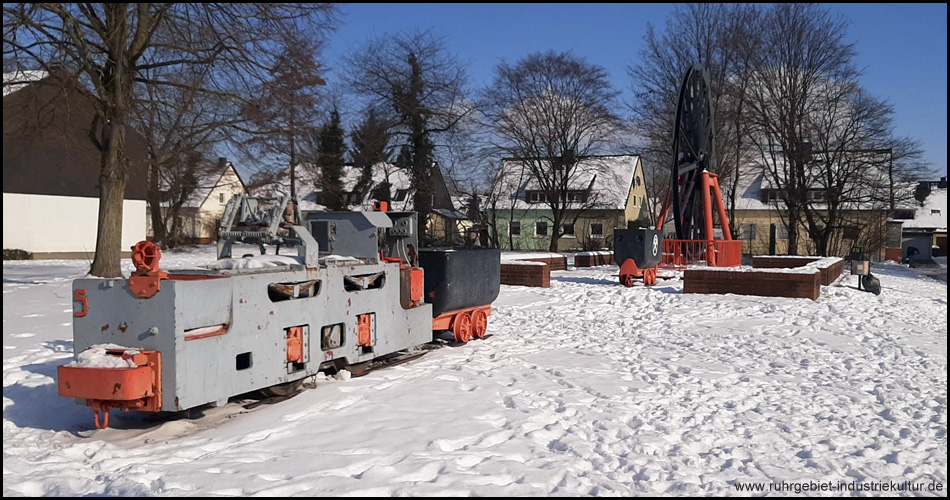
point(47, 148)
point(214, 179)
point(754, 181)
point(608, 179)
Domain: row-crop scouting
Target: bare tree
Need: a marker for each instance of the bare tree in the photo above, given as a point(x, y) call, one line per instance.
point(284, 111)
point(547, 111)
point(420, 85)
point(180, 125)
point(114, 46)
point(720, 37)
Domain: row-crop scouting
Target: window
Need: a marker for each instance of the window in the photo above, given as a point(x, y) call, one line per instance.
point(401, 195)
point(781, 232)
point(749, 231)
point(935, 211)
point(568, 230)
point(638, 181)
point(535, 197)
point(221, 197)
point(850, 232)
point(772, 196)
point(817, 195)
point(596, 229)
point(540, 228)
point(514, 228)
point(575, 196)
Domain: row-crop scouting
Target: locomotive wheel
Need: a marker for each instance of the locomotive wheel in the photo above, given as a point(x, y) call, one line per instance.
point(627, 280)
point(462, 327)
point(479, 323)
point(285, 389)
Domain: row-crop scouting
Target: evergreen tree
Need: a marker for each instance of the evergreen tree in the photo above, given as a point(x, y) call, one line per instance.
point(330, 162)
point(370, 142)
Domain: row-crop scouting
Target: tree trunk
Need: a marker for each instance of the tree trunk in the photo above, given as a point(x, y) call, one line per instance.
point(113, 176)
point(159, 227)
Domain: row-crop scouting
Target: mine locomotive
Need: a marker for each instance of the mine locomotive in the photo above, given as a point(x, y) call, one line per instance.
point(358, 291)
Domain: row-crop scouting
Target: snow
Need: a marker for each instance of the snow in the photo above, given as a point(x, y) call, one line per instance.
point(255, 262)
point(932, 214)
point(586, 388)
point(97, 357)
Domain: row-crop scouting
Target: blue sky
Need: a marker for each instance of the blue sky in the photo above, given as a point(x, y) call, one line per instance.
point(901, 47)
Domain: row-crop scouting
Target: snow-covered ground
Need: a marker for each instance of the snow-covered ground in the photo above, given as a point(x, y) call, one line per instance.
point(584, 388)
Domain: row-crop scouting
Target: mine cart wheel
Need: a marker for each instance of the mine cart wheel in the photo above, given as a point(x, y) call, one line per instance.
point(285, 389)
point(462, 327)
point(627, 280)
point(479, 323)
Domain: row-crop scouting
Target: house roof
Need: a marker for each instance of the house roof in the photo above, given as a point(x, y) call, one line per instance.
point(932, 214)
point(610, 178)
point(213, 179)
point(46, 139)
point(308, 179)
point(753, 181)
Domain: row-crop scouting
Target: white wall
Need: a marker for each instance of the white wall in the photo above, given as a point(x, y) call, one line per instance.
point(42, 223)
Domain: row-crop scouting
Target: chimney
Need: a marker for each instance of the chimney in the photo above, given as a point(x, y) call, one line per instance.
point(222, 162)
point(943, 183)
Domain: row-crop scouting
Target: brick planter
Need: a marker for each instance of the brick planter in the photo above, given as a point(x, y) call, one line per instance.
point(524, 273)
point(555, 263)
point(830, 267)
point(591, 259)
point(804, 283)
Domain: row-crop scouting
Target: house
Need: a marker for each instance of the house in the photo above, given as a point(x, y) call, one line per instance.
point(384, 182)
point(51, 169)
point(924, 235)
point(605, 192)
point(759, 207)
point(197, 219)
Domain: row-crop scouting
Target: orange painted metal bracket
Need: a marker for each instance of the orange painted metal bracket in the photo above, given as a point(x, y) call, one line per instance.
point(104, 389)
point(295, 344)
point(364, 330)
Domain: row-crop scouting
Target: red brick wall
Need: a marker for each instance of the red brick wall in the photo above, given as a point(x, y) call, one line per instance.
point(555, 263)
point(752, 283)
point(591, 260)
point(513, 273)
point(830, 267)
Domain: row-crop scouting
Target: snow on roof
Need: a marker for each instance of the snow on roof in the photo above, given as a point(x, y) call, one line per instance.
point(755, 179)
point(608, 179)
point(308, 186)
point(932, 214)
point(16, 80)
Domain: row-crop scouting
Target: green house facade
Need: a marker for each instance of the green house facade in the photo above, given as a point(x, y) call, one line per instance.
point(606, 192)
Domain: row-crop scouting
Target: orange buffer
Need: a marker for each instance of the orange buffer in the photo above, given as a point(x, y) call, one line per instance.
point(104, 389)
point(629, 271)
point(465, 323)
point(146, 281)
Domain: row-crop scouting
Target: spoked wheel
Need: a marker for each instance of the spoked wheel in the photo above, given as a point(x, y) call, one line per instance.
point(479, 323)
point(693, 152)
point(462, 327)
point(627, 280)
